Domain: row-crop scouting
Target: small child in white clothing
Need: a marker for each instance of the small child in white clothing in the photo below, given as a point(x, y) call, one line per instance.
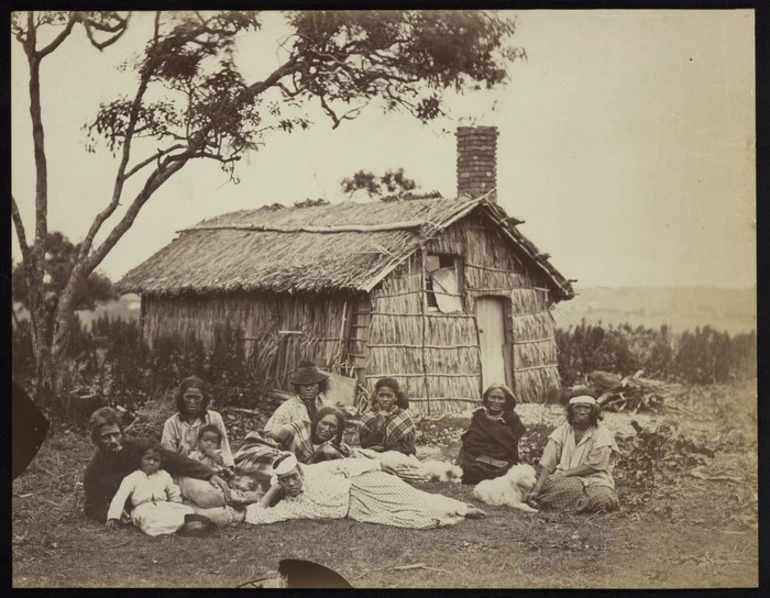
point(156, 499)
point(209, 452)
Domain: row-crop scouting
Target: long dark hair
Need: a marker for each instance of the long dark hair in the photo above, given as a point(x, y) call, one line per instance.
point(323, 412)
point(402, 400)
point(191, 382)
point(595, 417)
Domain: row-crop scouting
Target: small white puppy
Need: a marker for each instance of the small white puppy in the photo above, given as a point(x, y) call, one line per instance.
point(442, 472)
point(509, 490)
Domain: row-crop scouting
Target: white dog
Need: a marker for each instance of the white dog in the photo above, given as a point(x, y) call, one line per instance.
point(442, 472)
point(509, 490)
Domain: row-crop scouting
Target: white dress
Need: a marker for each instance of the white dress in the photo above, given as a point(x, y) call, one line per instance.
point(358, 488)
point(157, 502)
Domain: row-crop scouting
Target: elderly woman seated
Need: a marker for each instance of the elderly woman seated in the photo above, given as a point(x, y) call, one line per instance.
point(388, 427)
point(577, 463)
point(316, 441)
point(491, 442)
point(311, 442)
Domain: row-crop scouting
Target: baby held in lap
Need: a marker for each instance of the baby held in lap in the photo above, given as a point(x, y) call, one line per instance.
point(244, 490)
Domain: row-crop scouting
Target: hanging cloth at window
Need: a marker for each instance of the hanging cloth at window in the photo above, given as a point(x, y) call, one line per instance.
point(446, 290)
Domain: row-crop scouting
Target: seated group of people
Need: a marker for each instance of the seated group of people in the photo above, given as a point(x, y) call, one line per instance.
point(298, 466)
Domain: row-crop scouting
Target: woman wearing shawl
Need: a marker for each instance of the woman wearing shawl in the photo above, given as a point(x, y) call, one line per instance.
point(491, 442)
point(388, 426)
point(577, 463)
point(319, 440)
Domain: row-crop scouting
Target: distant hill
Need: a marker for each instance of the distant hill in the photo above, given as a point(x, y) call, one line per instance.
point(731, 310)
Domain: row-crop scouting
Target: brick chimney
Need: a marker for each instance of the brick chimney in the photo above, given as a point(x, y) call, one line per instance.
point(477, 161)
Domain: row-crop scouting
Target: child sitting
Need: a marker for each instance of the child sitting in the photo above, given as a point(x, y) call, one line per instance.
point(209, 452)
point(156, 499)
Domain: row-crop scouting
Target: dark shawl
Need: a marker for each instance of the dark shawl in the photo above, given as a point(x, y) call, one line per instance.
point(494, 439)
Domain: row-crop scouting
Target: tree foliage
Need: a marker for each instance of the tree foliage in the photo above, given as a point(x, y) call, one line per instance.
point(702, 356)
point(392, 181)
point(60, 255)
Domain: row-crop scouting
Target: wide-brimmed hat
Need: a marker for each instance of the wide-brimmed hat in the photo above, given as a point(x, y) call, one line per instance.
point(197, 526)
point(308, 373)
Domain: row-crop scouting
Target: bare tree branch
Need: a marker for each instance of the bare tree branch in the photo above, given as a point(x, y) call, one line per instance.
point(156, 156)
point(59, 38)
point(20, 231)
point(97, 44)
point(154, 181)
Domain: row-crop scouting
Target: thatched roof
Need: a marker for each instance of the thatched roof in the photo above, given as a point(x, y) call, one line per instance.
point(330, 248)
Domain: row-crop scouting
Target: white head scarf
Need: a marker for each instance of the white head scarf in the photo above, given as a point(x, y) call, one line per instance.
point(284, 467)
point(582, 399)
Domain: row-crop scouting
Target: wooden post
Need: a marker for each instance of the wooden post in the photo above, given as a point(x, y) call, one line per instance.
point(424, 319)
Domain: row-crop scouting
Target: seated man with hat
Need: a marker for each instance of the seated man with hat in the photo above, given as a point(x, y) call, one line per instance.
point(310, 383)
point(117, 456)
point(577, 463)
point(357, 488)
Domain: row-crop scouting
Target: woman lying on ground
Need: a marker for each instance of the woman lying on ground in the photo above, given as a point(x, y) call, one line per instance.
point(388, 427)
point(316, 441)
point(490, 445)
point(577, 463)
point(310, 384)
point(360, 489)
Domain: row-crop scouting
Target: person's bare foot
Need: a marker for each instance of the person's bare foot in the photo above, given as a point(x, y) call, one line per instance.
point(474, 513)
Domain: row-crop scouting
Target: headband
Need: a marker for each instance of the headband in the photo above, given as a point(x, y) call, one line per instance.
point(582, 399)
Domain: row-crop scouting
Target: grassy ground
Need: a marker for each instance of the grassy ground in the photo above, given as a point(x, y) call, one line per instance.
point(684, 532)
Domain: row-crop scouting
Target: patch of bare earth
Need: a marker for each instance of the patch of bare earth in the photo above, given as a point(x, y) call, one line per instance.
point(690, 522)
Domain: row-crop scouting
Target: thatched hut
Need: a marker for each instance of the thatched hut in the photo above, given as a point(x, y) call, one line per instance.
point(445, 295)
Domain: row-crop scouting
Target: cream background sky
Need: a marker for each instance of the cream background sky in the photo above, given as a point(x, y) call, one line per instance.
point(627, 143)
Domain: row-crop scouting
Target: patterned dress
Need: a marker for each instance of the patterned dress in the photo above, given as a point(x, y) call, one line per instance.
point(589, 493)
point(360, 490)
point(157, 502)
point(396, 432)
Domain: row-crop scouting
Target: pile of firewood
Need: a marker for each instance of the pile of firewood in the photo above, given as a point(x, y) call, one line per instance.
point(632, 393)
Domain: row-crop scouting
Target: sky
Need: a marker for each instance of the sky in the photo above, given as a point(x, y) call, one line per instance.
point(627, 145)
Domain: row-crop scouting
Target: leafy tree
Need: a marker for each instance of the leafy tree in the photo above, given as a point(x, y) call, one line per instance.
point(192, 102)
point(59, 256)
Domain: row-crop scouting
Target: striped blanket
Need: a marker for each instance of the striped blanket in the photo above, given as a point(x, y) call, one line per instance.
point(255, 458)
point(295, 437)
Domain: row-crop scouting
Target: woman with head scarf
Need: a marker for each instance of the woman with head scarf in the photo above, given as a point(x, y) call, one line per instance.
point(490, 445)
point(309, 383)
point(577, 463)
point(316, 441)
point(388, 427)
